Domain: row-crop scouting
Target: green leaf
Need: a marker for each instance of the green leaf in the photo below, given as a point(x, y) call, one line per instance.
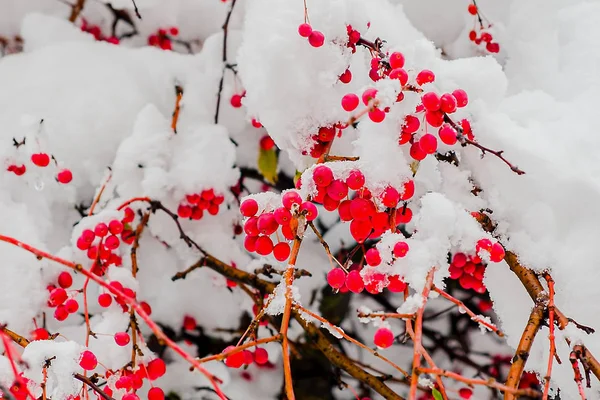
point(436, 394)
point(267, 165)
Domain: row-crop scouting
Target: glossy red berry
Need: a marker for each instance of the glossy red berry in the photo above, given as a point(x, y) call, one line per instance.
point(346, 77)
point(400, 249)
point(369, 95)
point(492, 47)
point(377, 115)
point(497, 253)
point(396, 60)
point(383, 338)
point(88, 360)
point(416, 152)
point(266, 143)
point(448, 103)
point(281, 251)
point(282, 215)
point(448, 134)
point(372, 257)
point(264, 245)
point(115, 227)
point(396, 284)
point(261, 356)
point(431, 101)
point(290, 198)
point(425, 76)
point(249, 208)
point(461, 97)
point(40, 334)
point(65, 280)
point(472, 9)
point(316, 39)
point(235, 360)
point(40, 159)
point(326, 133)
point(336, 278)
point(104, 300)
point(355, 180)
point(361, 209)
point(411, 124)
point(57, 296)
point(122, 338)
point(354, 282)
point(61, 313)
point(401, 75)
point(156, 368)
point(390, 197)
point(184, 211)
point(360, 229)
point(156, 393)
point(65, 176)
point(71, 306)
point(350, 102)
point(310, 210)
point(337, 190)
point(304, 30)
point(344, 210)
point(322, 175)
point(428, 143)
point(236, 101)
point(465, 393)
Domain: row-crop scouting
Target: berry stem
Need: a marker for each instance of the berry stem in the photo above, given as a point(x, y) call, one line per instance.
point(551, 336)
point(474, 317)
point(175, 118)
point(238, 348)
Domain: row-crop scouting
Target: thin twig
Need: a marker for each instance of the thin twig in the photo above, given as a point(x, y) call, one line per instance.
point(551, 336)
point(224, 58)
point(135, 9)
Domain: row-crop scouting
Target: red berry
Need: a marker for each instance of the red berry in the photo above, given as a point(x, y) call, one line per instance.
point(344, 210)
point(485, 244)
point(65, 176)
point(472, 9)
point(376, 115)
point(310, 210)
point(251, 227)
point(372, 257)
point(281, 251)
point(289, 198)
point(492, 47)
point(65, 280)
point(305, 30)
point(428, 143)
point(448, 103)
point(408, 190)
point(411, 124)
point(249, 208)
point(346, 77)
point(156, 393)
point(486, 37)
point(250, 243)
point(326, 133)
point(104, 300)
point(316, 39)
point(395, 284)
point(472, 36)
point(461, 97)
point(403, 215)
point(425, 76)
point(336, 278)
point(235, 360)
point(369, 95)
point(112, 242)
point(350, 102)
point(361, 209)
point(360, 229)
point(189, 323)
point(261, 356)
point(236, 101)
point(448, 134)
point(282, 215)
point(434, 118)
point(122, 338)
point(416, 152)
point(267, 143)
point(174, 31)
point(390, 197)
point(40, 159)
point(400, 249)
point(497, 253)
point(184, 211)
point(396, 60)
point(115, 227)
point(355, 180)
point(57, 297)
point(146, 307)
point(330, 204)
point(459, 260)
point(354, 282)
point(383, 338)
point(401, 75)
point(465, 393)
point(267, 224)
point(88, 236)
point(264, 245)
point(156, 368)
point(337, 190)
point(88, 360)
point(61, 313)
point(40, 334)
point(322, 175)
point(71, 306)
point(431, 101)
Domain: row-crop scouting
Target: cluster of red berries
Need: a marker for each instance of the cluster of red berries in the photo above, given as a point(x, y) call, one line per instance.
point(101, 243)
point(484, 37)
point(259, 228)
point(353, 37)
point(41, 160)
point(372, 282)
point(194, 205)
point(58, 298)
point(105, 299)
point(132, 381)
point(366, 221)
point(163, 38)
point(260, 356)
point(236, 102)
point(470, 269)
point(324, 136)
point(18, 389)
point(96, 31)
point(315, 38)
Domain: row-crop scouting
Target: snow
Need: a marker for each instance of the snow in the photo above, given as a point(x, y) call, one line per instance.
point(107, 114)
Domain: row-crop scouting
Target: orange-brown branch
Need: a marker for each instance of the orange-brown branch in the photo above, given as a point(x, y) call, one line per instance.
point(179, 95)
